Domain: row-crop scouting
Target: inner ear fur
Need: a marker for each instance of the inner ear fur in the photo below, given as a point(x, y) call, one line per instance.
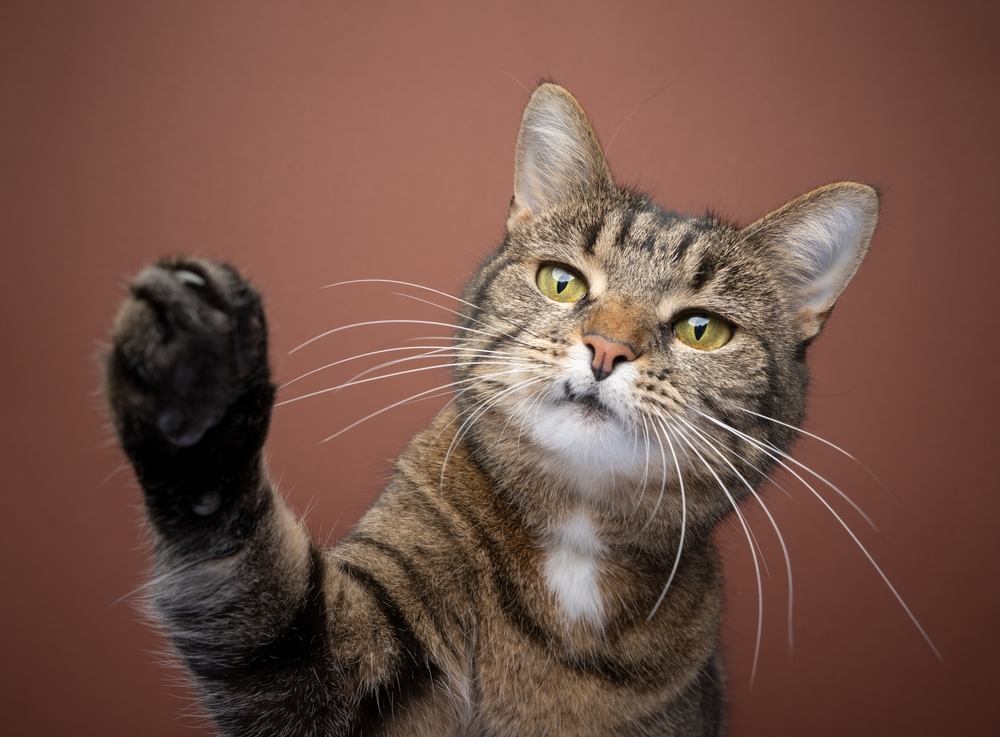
point(558, 157)
point(818, 242)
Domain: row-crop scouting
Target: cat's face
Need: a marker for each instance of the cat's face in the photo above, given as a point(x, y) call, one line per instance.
point(634, 336)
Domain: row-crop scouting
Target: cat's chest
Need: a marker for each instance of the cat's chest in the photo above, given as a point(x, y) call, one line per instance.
point(571, 570)
point(531, 688)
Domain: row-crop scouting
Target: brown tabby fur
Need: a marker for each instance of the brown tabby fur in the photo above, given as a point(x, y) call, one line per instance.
point(434, 617)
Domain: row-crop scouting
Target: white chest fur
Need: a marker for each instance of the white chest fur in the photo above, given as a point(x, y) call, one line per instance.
point(571, 569)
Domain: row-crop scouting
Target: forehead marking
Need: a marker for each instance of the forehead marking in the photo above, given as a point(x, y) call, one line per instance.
point(627, 221)
point(708, 267)
point(682, 246)
point(592, 233)
point(649, 242)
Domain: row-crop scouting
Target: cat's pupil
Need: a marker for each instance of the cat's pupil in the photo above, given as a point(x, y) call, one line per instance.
point(562, 280)
point(700, 325)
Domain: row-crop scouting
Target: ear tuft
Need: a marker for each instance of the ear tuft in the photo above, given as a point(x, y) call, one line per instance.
point(821, 239)
point(558, 156)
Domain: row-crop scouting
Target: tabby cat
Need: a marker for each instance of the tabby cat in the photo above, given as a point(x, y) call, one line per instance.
point(541, 562)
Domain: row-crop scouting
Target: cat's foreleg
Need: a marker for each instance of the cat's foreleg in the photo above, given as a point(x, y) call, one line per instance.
point(239, 587)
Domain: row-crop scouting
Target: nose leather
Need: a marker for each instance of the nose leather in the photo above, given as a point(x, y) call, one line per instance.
point(607, 354)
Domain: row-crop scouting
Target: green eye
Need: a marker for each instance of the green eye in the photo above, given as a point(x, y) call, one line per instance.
point(704, 332)
point(560, 284)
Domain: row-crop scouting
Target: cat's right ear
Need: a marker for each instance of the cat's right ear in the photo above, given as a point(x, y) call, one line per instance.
point(558, 157)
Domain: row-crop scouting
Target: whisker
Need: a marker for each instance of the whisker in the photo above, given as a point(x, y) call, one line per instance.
point(517, 411)
point(766, 446)
point(753, 536)
point(770, 518)
point(467, 317)
point(645, 472)
point(468, 410)
point(465, 412)
point(753, 551)
point(663, 481)
point(378, 352)
point(459, 353)
point(639, 107)
point(388, 376)
point(428, 289)
point(389, 322)
point(401, 283)
point(475, 341)
point(416, 396)
point(854, 537)
point(680, 542)
point(485, 404)
point(542, 392)
point(814, 436)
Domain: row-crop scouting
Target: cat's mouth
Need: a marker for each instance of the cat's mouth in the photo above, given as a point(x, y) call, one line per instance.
point(587, 400)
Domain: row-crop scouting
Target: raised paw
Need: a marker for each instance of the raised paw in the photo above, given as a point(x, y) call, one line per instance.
point(189, 365)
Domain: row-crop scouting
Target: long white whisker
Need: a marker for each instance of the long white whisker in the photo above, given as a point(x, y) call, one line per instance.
point(402, 283)
point(473, 341)
point(389, 376)
point(465, 412)
point(680, 542)
point(468, 317)
point(485, 406)
point(518, 410)
point(449, 352)
point(770, 518)
point(391, 350)
point(814, 436)
point(663, 481)
point(753, 536)
point(753, 551)
point(418, 395)
point(389, 322)
point(850, 532)
point(428, 289)
point(645, 472)
point(540, 395)
point(766, 446)
point(799, 430)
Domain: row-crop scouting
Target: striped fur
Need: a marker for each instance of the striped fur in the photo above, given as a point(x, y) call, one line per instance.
point(502, 584)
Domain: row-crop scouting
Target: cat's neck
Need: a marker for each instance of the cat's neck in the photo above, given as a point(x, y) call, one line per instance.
point(596, 563)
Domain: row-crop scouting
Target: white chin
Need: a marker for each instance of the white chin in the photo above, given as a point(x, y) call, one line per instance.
point(589, 449)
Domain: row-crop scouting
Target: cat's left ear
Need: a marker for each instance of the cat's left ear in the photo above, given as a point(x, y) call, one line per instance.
point(819, 240)
point(558, 157)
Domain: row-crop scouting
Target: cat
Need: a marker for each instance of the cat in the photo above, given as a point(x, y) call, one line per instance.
point(541, 561)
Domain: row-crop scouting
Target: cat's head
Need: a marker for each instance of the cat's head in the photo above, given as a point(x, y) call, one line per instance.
point(626, 334)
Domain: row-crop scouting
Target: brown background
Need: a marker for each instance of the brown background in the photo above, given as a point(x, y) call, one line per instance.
point(333, 141)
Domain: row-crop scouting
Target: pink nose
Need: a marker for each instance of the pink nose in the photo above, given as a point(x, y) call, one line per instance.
point(607, 354)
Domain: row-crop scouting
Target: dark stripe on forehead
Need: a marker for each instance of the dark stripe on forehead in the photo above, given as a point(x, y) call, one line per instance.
point(590, 234)
point(649, 242)
point(627, 221)
point(681, 248)
point(707, 269)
